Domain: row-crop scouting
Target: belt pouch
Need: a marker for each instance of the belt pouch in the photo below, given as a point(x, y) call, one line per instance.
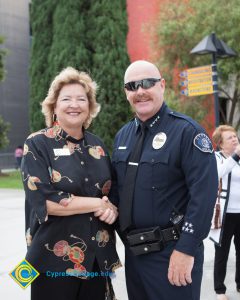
point(147, 248)
point(145, 235)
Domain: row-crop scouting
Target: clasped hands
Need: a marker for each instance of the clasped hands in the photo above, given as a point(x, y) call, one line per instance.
point(107, 212)
point(101, 207)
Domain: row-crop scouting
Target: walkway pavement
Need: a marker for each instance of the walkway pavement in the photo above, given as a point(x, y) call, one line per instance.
point(13, 249)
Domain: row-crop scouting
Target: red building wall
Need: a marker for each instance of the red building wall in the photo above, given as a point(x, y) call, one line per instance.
point(141, 17)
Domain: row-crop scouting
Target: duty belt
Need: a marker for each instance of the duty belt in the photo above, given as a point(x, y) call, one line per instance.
point(143, 241)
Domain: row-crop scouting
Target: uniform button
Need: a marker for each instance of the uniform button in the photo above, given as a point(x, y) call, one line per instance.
point(152, 160)
point(141, 238)
point(86, 179)
point(153, 188)
point(90, 218)
point(82, 162)
point(145, 249)
point(93, 238)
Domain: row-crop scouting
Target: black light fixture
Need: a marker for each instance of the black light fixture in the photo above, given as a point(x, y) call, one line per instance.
point(212, 45)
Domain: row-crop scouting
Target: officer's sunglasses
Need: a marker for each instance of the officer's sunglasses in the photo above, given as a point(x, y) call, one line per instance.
point(144, 84)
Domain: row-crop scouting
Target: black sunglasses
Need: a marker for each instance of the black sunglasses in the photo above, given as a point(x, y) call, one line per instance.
point(144, 84)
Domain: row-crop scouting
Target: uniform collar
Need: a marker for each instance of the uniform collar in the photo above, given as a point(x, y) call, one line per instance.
point(153, 121)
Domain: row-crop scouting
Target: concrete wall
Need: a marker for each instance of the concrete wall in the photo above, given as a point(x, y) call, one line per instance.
point(14, 90)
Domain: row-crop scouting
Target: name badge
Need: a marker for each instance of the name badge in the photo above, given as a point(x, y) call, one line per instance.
point(62, 152)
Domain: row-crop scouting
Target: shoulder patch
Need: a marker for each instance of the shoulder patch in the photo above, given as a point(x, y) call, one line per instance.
point(203, 143)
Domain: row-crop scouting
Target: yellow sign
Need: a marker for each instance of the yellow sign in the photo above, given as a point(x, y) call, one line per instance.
point(24, 274)
point(198, 81)
point(200, 90)
point(199, 71)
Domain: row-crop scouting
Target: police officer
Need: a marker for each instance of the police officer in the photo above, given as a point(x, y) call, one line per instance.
point(174, 191)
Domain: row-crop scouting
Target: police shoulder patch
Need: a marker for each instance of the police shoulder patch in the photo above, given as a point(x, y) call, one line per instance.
point(203, 143)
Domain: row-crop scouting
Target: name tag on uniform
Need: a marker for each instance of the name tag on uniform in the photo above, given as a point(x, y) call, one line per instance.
point(122, 147)
point(61, 152)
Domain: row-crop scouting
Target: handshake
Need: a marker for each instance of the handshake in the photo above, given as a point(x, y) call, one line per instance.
point(108, 212)
point(101, 207)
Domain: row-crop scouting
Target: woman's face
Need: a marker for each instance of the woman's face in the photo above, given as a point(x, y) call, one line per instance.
point(72, 106)
point(229, 142)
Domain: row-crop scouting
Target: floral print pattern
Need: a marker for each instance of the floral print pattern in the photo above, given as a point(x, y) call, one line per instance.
point(55, 176)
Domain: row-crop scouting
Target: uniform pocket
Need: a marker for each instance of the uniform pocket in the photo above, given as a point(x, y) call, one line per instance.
point(155, 167)
point(119, 161)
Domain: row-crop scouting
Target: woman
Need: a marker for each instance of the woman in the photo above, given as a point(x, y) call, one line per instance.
point(225, 137)
point(18, 153)
point(67, 176)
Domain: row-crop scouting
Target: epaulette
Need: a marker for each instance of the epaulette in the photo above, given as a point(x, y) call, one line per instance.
point(184, 117)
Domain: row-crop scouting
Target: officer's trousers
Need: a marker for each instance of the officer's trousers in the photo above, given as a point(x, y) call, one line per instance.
point(231, 228)
point(146, 276)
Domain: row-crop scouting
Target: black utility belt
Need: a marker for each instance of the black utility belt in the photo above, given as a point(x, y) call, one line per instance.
point(146, 240)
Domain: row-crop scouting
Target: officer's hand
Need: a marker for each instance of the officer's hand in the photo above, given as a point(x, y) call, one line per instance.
point(108, 213)
point(180, 268)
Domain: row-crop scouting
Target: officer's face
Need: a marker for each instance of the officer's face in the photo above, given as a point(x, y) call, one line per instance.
point(229, 142)
point(145, 101)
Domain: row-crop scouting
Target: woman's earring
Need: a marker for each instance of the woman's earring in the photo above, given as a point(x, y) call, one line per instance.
point(54, 119)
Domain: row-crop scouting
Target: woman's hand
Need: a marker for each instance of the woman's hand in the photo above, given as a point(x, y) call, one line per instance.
point(237, 150)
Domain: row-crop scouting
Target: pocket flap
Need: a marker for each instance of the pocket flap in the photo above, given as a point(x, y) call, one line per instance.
point(120, 155)
point(155, 157)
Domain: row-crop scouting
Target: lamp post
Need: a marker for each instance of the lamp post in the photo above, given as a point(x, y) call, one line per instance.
point(212, 45)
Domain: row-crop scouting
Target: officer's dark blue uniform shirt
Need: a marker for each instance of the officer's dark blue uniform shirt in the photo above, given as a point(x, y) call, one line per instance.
point(177, 172)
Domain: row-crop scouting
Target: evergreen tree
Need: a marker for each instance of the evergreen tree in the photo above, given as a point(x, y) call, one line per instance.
point(41, 17)
point(2, 54)
point(4, 128)
point(87, 35)
point(107, 25)
point(69, 37)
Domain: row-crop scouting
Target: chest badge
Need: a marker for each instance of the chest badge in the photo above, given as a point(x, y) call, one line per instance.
point(159, 140)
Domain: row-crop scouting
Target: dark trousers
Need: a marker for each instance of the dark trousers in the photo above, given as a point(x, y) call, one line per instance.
point(68, 288)
point(231, 229)
point(146, 277)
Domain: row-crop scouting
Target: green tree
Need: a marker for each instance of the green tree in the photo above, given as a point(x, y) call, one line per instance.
point(107, 41)
point(4, 127)
point(2, 54)
point(69, 43)
point(60, 44)
point(87, 35)
point(182, 25)
point(41, 18)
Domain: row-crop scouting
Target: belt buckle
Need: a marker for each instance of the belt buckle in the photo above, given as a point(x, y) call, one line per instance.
point(159, 235)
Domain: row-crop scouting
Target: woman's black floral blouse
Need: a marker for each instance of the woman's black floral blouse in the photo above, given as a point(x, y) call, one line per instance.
point(55, 166)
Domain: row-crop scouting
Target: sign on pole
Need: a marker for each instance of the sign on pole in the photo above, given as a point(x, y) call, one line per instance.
point(197, 81)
